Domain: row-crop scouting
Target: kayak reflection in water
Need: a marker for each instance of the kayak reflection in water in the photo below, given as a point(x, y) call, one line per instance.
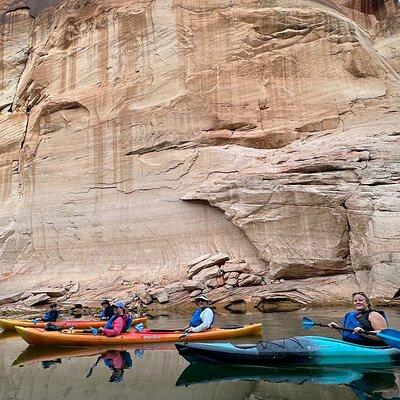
point(366, 384)
point(48, 363)
point(117, 361)
point(376, 386)
point(365, 318)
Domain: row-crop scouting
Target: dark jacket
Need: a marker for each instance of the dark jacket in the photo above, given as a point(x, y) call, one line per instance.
point(51, 316)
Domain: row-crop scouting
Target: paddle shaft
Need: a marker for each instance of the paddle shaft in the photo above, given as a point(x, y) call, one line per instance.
point(93, 367)
point(340, 328)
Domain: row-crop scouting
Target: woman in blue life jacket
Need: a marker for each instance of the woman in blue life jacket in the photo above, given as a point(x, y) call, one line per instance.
point(203, 317)
point(364, 319)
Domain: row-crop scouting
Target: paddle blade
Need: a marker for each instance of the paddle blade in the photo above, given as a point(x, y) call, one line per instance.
point(390, 337)
point(308, 323)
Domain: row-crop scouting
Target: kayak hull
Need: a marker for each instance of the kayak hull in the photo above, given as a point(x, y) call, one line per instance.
point(34, 354)
point(10, 324)
point(300, 350)
point(364, 378)
point(196, 373)
point(45, 338)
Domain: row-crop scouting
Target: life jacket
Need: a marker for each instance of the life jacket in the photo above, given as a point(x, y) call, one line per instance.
point(51, 316)
point(355, 319)
point(107, 313)
point(127, 359)
point(196, 320)
point(127, 320)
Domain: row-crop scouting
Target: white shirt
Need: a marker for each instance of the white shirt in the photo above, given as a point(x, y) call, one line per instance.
point(207, 316)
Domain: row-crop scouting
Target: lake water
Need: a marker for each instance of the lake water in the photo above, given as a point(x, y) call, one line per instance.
point(158, 372)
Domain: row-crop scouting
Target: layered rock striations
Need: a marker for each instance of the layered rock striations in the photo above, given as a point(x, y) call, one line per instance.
point(140, 135)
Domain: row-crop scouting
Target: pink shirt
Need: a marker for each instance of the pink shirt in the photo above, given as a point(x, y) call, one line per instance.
point(118, 325)
point(115, 357)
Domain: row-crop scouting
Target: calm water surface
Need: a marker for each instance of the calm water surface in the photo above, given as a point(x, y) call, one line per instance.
point(158, 372)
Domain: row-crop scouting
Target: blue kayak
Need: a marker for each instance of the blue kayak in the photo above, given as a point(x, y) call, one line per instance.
point(198, 372)
point(299, 350)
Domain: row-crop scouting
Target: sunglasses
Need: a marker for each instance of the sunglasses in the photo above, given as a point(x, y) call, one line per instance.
point(360, 293)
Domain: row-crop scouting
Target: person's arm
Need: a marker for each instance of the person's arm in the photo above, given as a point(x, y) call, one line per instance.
point(207, 317)
point(378, 323)
point(118, 325)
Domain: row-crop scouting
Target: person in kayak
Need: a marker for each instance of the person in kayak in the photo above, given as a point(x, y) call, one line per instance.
point(50, 315)
point(203, 317)
point(77, 311)
point(364, 319)
point(120, 322)
point(117, 361)
point(108, 311)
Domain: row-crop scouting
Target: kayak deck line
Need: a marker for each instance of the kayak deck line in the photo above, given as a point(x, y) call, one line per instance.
point(10, 324)
point(41, 337)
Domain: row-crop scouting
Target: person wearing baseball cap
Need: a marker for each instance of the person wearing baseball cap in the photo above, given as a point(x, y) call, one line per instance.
point(203, 317)
point(119, 323)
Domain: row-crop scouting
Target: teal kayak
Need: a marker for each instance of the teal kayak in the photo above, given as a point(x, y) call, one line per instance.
point(196, 373)
point(363, 381)
point(299, 350)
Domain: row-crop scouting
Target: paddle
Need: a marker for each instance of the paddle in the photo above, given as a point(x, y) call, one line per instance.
point(93, 367)
point(309, 324)
point(390, 336)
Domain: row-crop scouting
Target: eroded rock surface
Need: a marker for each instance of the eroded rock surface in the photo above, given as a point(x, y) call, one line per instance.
point(140, 135)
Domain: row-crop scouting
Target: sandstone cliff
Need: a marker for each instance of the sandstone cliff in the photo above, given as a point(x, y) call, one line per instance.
point(138, 135)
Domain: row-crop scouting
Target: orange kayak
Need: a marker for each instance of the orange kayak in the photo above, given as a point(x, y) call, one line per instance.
point(10, 324)
point(34, 354)
point(47, 338)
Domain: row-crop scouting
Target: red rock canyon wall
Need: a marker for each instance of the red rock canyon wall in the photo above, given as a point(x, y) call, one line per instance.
point(138, 135)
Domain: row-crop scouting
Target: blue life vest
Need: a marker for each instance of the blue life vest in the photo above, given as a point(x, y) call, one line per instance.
point(350, 321)
point(107, 313)
point(127, 359)
point(51, 316)
point(196, 320)
point(110, 322)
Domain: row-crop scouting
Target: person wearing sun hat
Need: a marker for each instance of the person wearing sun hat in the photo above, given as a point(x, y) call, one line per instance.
point(203, 317)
